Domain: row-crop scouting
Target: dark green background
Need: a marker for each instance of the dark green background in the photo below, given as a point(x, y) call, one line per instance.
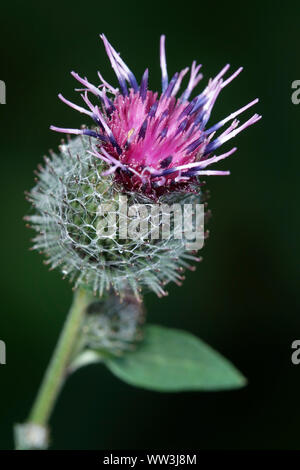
point(243, 298)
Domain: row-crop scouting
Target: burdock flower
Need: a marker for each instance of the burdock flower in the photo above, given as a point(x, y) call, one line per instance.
point(156, 143)
point(150, 148)
point(102, 213)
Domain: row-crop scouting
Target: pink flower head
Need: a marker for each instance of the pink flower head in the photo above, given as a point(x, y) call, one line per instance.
point(156, 143)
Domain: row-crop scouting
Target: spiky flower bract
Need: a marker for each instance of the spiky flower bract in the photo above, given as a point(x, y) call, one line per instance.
point(66, 199)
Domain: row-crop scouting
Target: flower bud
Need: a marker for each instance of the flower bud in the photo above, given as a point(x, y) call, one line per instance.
point(112, 325)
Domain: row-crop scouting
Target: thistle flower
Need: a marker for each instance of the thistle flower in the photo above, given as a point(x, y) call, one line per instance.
point(150, 148)
point(152, 151)
point(156, 144)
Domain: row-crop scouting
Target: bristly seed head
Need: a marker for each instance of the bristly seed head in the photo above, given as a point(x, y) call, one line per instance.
point(71, 227)
point(156, 144)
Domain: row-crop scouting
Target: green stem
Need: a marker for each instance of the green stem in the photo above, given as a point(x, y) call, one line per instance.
point(56, 372)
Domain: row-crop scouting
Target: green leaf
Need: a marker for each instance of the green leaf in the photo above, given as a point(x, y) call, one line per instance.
point(170, 360)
